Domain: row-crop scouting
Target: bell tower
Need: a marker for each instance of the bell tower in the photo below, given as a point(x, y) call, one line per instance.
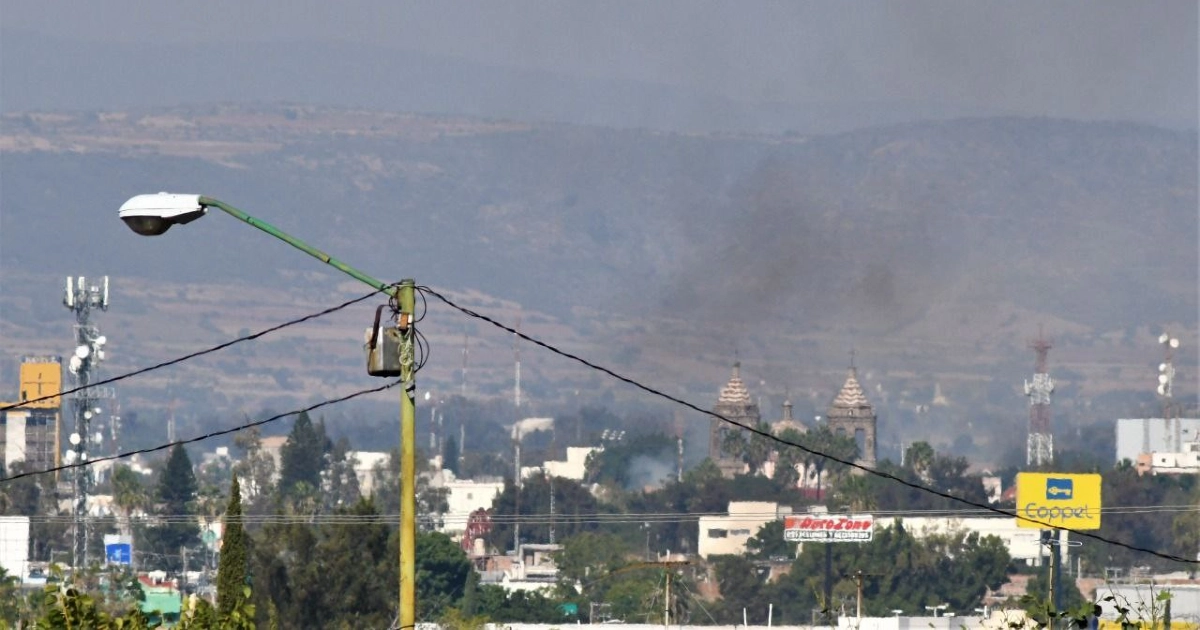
point(851, 414)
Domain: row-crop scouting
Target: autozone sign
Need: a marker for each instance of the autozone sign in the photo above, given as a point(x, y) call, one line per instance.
point(810, 528)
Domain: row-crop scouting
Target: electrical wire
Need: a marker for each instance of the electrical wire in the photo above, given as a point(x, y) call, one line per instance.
point(636, 519)
point(200, 438)
point(193, 355)
point(769, 436)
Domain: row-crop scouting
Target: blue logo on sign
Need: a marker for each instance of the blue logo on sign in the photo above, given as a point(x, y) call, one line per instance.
point(1059, 489)
point(118, 554)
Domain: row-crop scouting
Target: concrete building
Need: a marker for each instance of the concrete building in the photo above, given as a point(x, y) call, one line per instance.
point(1140, 599)
point(1154, 435)
point(365, 464)
point(574, 467)
point(533, 570)
point(31, 433)
point(727, 534)
point(14, 545)
point(1184, 463)
point(1024, 545)
point(464, 496)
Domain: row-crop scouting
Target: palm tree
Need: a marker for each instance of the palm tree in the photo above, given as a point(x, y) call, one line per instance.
point(129, 495)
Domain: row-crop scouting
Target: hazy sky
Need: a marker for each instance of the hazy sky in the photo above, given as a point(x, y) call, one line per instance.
point(1090, 60)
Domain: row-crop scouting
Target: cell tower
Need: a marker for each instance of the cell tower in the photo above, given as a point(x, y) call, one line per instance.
point(517, 376)
point(465, 353)
point(84, 365)
point(1166, 378)
point(1039, 446)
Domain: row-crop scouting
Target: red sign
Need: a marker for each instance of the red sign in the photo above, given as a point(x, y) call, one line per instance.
point(822, 528)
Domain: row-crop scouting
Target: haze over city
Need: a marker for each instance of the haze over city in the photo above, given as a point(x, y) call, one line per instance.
point(889, 204)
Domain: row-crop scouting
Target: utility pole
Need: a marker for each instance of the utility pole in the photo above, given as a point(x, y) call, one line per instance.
point(858, 579)
point(828, 580)
point(405, 295)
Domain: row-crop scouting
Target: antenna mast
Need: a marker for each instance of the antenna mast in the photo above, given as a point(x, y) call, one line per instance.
point(83, 365)
point(1039, 446)
point(517, 359)
point(1166, 378)
point(465, 352)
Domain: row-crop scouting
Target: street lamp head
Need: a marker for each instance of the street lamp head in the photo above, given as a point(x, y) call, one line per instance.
point(151, 215)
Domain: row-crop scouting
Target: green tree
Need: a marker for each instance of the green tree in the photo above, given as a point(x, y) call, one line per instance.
point(442, 573)
point(341, 482)
point(302, 458)
point(175, 494)
point(823, 443)
point(768, 543)
point(231, 571)
point(129, 494)
point(359, 572)
point(743, 586)
point(256, 469)
point(450, 455)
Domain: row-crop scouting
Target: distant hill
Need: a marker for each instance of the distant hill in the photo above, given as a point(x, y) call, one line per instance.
point(933, 249)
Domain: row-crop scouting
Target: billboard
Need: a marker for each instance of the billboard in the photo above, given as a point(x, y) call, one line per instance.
point(828, 528)
point(1058, 500)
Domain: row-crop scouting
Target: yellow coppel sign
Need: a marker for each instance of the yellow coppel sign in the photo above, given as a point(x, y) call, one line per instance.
point(1058, 500)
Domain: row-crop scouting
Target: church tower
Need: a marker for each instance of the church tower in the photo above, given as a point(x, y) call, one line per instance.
point(734, 403)
point(851, 414)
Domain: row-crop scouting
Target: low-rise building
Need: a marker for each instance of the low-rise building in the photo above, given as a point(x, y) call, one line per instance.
point(1186, 462)
point(1154, 435)
point(727, 534)
point(464, 496)
point(365, 465)
point(573, 467)
point(1023, 544)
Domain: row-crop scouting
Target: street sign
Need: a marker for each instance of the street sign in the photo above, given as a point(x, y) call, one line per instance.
point(828, 528)
point(120, 553)
point(1058, 500)
point(118, 549)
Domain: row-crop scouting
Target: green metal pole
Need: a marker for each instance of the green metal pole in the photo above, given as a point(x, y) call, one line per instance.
point(405, 294)
point(408, 466)
point(209, 202)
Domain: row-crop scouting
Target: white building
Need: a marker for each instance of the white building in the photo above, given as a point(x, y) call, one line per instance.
point(1023, 544)
point(463, 497)
point(1154, 435)
point(534, 569)
point(727, 534)
point(575, 466)
point(1141, 600)
point(365, 464)
point(14, 545)
point(1186, 462)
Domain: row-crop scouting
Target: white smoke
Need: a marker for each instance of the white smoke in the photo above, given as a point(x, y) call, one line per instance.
point(521, 428)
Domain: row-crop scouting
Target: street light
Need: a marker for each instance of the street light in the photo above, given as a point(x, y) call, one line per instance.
point(937, 609)
point(152, 215)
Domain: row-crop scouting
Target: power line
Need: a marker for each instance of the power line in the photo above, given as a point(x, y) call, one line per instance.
point(200, 438)
point(768, 435)
point(186, 357)
point(590, 518)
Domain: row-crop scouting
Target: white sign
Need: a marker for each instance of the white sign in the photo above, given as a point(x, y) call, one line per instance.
point(828, 528)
